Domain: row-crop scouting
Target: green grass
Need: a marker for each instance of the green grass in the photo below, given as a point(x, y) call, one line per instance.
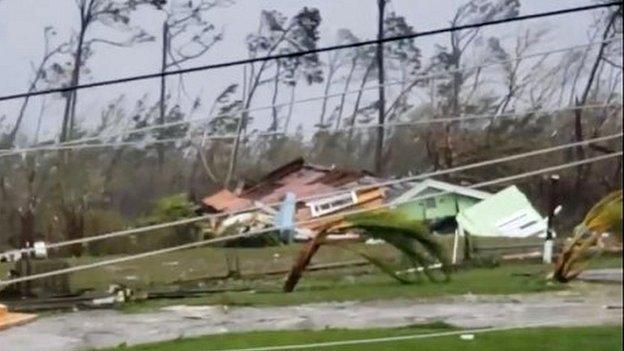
point(205, 262)
point(210, 261)
point(362, 283)
point(551, 339)
point(198, 263)
point(345, 286)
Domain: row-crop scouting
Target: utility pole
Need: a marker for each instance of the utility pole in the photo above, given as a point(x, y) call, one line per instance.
point(163, 89)
point(381, 4)
point(552, 212)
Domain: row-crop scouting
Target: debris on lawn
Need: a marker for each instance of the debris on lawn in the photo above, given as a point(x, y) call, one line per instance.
point(10, 319)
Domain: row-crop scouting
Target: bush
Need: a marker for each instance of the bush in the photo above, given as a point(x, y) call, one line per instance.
point(104, 221)
point(171, 208)
point(168, 209)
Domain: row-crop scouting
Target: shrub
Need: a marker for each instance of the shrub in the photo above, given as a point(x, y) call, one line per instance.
point(104, 221)
point(168, 209)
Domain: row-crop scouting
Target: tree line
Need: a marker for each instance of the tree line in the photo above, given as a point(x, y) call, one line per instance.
point(75, 193)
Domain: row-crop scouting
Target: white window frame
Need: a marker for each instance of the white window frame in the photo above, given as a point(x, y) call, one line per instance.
point(332, 204)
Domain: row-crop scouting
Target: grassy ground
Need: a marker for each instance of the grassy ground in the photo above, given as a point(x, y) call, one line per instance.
point(211, 262)
point(552, 339)
point(198, 263)
point(343, 286)
point(368, 284)
point(363, 283)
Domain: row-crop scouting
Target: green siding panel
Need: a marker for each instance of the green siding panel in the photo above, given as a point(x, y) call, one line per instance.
point(439, 207)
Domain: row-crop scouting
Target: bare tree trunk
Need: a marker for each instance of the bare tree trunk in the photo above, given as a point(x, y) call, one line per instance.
point(382, 96)
point(328, 82)
point(454, 103)
point(20, 115)
point(577, 76)
point(204, 162)
point(191, 181)
point(358, 99)
point(74, 225)
point(291, 105)
point(234, 154)
point(108, 176)
point(578, 136)
point(70, 101)
point(274, 110)
point(27, 214)
point(346, 89)
point(38, 125)
point(578, 124)
point(74, 100)
point(242, 124)
point(432, 151)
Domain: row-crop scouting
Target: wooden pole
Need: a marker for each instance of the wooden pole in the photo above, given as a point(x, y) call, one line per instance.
point(163, 90)
point(382, 95)
point(552, 206)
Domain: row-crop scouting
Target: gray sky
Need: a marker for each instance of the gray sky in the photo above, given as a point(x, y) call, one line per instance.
point(22, 23)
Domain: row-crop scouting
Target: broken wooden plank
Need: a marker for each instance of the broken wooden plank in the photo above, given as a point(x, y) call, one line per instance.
point(10, 319)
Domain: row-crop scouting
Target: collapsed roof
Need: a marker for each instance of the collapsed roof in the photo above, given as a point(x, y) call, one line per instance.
point(507, 213)
point(298, 177)
point(432, 186)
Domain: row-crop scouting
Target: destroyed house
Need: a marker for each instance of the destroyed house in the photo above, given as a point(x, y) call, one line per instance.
point(308, 183)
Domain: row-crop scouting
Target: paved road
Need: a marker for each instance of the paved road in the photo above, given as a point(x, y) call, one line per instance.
point(587, 304)
point(607, 275)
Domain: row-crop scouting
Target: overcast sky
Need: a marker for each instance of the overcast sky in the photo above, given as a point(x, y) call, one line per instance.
point(22, 23)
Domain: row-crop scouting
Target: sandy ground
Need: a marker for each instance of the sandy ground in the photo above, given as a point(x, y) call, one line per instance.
point(585, 304)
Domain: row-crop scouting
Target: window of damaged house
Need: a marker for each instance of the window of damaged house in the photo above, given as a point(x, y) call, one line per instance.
point(430, 202)
point(332, 204)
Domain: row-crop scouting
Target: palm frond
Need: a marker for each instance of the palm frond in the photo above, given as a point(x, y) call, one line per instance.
point(412, 238)
point(604, 216)
point(383, 266)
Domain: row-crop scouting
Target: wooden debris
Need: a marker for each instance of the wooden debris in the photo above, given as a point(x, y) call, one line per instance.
point(8, 319)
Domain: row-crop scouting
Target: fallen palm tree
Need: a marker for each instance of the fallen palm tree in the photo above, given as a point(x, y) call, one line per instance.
point(604, 217)
point(411, 238)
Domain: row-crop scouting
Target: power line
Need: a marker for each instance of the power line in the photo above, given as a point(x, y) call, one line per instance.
point(57, 147)
point(185, 221)
point(463, 118)
point(311, 221)
point(287, 104)
point(470, 166)
point(466, 118)
point(311, 51)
